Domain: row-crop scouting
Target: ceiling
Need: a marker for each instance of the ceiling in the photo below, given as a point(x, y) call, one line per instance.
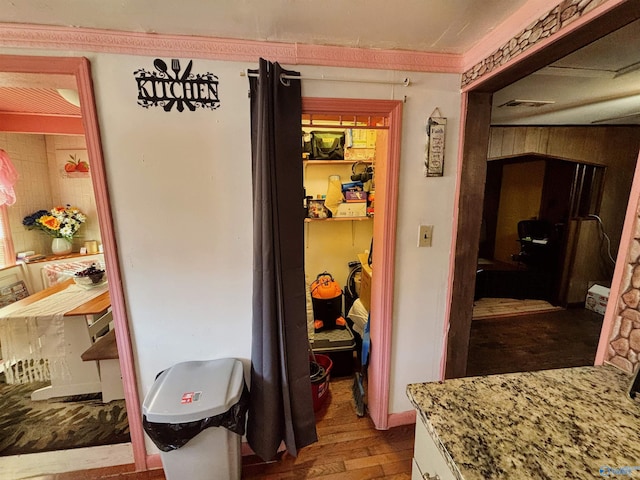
point(596, 85)
point(451, 26)
point(587, 87)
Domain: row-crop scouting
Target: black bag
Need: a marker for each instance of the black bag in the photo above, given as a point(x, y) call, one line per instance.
point(327, 145)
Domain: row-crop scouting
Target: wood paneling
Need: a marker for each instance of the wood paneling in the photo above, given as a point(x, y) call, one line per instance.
point(615, 147)
point(519, 200)
point(470, 202)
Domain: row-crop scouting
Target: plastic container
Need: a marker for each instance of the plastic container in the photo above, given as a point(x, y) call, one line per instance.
point(183, 412)
point(320, 383)
point(339, 345)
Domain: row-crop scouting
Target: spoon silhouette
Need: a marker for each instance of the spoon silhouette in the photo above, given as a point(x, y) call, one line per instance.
point(160, 65)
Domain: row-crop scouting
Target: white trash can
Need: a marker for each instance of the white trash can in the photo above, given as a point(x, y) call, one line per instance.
point(178, 412)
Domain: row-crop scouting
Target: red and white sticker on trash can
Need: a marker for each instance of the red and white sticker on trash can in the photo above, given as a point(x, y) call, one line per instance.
point(190, 397)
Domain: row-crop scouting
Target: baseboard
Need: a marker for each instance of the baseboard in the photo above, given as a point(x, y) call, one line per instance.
point(403, 418)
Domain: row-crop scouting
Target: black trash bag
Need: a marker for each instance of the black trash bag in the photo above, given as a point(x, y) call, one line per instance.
point(172, 436)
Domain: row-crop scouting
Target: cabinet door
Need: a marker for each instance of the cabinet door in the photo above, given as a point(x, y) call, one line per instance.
point(428, 461)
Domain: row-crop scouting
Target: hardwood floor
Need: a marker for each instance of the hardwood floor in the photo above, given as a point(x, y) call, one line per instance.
point(348, 448)
point(535, 341)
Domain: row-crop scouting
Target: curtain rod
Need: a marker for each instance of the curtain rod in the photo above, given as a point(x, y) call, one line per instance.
point(405, 82)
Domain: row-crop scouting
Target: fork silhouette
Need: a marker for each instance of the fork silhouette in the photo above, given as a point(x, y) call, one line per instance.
point(175, 66)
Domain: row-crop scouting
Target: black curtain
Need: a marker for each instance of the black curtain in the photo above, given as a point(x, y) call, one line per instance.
point(281, 405)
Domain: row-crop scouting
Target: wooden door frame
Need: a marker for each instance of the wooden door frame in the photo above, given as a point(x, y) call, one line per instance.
point(384, 240)
point(79, 67)
point(474, 143)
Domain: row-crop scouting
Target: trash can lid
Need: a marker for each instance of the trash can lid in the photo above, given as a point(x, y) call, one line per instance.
point(192, 391)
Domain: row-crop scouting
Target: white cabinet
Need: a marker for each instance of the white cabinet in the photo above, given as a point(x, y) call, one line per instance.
point(428, 461)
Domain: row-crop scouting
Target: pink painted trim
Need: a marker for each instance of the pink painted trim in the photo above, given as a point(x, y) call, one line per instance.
point(40, 124)
point(378, 59)
point(382, 281)
point(121, 324)
point(403, 418)
point(584, 19)
point(504, 32)
point(154, 461)
point(622, 260)
point(384, 240)
point(79, 67)
point(454, 235)
point(132, 43)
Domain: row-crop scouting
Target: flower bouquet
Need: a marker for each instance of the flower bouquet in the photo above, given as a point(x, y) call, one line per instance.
point(59, 222)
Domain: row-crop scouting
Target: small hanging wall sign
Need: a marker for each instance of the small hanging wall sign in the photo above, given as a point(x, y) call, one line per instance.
point(434, 151)
point(171, 86)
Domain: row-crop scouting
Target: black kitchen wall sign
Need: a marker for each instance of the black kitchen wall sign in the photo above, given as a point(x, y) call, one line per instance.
point(171, 86)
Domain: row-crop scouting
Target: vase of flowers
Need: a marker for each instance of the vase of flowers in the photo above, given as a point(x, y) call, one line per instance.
point(61, 223)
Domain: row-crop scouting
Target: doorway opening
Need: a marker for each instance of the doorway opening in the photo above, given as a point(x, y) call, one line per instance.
point(377, 124)
point(78, 70)
point(476, 149)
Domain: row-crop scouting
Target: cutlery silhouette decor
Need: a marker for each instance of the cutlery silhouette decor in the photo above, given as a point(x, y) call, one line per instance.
point(175, 66)
point(169, 85)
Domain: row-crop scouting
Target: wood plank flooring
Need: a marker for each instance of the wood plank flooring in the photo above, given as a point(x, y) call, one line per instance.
point(349, 448)
point(507, 307)
point(537, 341)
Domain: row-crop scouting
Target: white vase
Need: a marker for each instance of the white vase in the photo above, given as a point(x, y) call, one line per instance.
point(61, 246)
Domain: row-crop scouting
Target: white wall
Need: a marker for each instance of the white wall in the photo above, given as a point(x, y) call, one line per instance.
point(180, 186)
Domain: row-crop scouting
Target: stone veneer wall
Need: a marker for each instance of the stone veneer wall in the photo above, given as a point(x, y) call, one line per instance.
point(624, 341)
point(565, 13)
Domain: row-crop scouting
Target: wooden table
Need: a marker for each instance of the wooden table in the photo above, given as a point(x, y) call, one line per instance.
point(79, 327)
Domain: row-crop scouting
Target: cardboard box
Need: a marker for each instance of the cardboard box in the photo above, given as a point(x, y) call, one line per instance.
point(350, 210)
point(365, 281)
point(355, 196)
point(597, 298)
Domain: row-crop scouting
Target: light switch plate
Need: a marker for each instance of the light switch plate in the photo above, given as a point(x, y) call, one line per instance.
point(425, 235)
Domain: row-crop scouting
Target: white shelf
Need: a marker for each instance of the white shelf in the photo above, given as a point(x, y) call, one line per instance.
point(337, 219)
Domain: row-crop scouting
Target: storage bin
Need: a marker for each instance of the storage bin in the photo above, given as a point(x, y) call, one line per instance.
point(320, 384)
point(338, 345)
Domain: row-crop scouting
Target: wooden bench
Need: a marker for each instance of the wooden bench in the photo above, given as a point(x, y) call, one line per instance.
point(105, 352)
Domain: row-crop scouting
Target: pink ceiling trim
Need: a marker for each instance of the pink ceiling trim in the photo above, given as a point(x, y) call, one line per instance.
point(504, 32)
point(380, 59)
point(546, 29)
point(132, 43)
point(40, 124)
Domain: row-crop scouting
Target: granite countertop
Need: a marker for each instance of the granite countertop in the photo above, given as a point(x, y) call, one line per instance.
point(550, 424)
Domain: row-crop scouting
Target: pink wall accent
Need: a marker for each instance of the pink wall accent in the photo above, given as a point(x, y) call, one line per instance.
point(382, 279)
point(98, 176)
point(504, 32)
point(403, 418)
point(622, 261)
point(40, 124)
point(131, 43)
